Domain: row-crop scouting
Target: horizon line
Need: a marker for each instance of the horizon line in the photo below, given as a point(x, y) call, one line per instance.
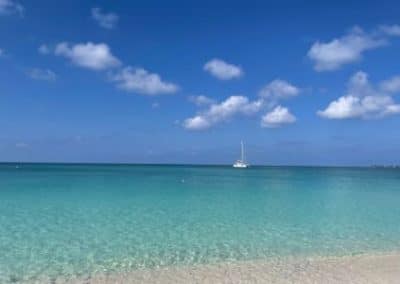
point(196, 164)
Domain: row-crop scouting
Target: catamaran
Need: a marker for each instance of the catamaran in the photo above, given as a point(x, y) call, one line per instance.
point(241, 163)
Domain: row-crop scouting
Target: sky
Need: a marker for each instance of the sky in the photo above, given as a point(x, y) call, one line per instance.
point(185, 81)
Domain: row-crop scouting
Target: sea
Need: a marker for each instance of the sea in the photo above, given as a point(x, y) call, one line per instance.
point(76, 220)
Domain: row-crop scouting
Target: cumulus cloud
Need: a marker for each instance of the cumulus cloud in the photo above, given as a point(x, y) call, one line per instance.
point(277, 117)
point(332, 55)
point(391, 85)
point(201, 100)
point(214, 113)
point(143, 82)
point(99, 57)
point(355, 107)
point(224, 111)
point(393, 30)
point(279, 89)
point(42, 74)
point(105, 20)
point(362, 100)
point(88, 55)
point(222, 70)
point(10, 7)
point(44, 49)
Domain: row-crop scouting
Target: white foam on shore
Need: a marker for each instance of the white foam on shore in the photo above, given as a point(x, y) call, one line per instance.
point(382, 269)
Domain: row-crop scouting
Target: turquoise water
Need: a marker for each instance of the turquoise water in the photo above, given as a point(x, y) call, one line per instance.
point(65, 220)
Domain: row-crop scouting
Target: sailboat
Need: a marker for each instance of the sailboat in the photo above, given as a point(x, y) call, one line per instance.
point(241, 162)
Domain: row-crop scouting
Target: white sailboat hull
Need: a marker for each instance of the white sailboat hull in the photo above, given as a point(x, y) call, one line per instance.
point(240, 165)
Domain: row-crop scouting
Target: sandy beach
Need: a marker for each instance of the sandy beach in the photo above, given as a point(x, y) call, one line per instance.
point(352, 269)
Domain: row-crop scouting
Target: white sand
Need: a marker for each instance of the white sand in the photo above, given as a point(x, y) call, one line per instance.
point(353, 269)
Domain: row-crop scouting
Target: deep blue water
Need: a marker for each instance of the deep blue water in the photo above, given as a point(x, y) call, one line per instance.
point(63, 220)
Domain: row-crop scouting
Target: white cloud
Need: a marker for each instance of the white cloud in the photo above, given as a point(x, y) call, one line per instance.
point(279, 89)
point(201, 100)
point(355, 107)
point(44, 49)
point(233, 106)
point(10, 7)
point(222, 70)
point(391, 85)
point(362, 100)
point(328, 56)
point(342, 108)
point(277, 117)
point(88, 55)
point(42, 74)
point(99, 57)
point(393, 30)
point(224, 111)
point(141, 81)
point(197, 122)
point(105, 20)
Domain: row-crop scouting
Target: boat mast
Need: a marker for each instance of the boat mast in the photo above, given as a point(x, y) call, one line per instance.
point(242, 159)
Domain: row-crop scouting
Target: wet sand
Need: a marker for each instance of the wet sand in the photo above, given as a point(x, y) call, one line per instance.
point(352, 269)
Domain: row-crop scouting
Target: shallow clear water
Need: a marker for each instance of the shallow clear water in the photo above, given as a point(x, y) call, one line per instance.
point(63, 220)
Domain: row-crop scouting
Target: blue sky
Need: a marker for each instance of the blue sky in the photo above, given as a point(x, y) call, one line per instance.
point(184, 82)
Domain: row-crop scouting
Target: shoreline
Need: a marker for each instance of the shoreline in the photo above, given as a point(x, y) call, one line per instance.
point(375, 268)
